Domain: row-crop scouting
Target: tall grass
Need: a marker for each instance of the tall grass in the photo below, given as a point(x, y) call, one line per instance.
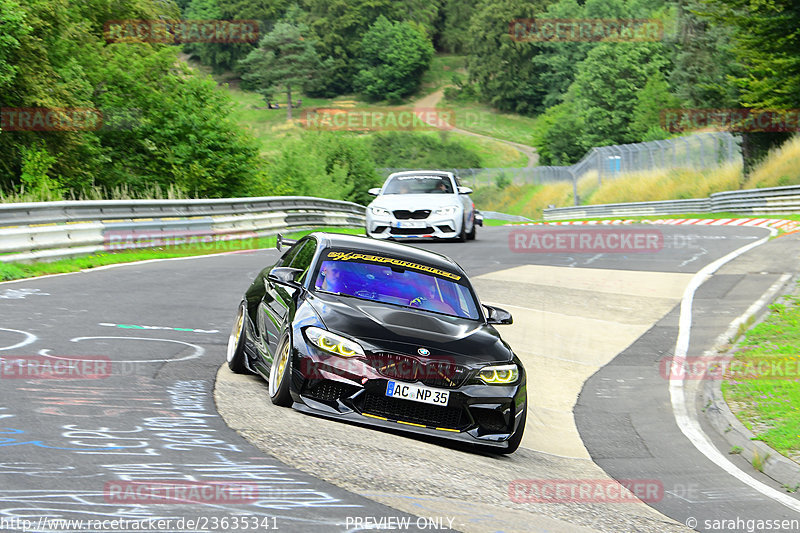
point(121, 192)
point(525, 200)
point(669, 184)
point(780, 167)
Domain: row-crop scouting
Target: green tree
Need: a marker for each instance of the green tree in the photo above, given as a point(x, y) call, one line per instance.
point(12, 20)
point(284, 58)
point(557, 135)
point(606, 87)
point(162, 123)
point(394, 56)
point(262, 10)
point(766, 42)
point(651, 101)
point(704, 60)
point(220, 57)
point(501, 66)
point(455, 36)
point(340, 26)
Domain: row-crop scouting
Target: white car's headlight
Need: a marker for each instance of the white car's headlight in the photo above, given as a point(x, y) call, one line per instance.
point(446, 211)
point(379, 211)
point(499, 374)
point(333, 343)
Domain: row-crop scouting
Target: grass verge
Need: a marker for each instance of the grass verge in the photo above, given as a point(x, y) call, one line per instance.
point(12, 271)
point(770, 407)
point(479, 118)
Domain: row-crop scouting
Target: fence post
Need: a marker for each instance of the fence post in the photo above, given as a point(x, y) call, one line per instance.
point(575, 187)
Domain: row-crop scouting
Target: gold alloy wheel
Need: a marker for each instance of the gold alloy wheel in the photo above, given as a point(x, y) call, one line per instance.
point(236, 334)
point(278, 367)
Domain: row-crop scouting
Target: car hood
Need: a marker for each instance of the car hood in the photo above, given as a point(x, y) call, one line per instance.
point(415, 201)
point(383, 327)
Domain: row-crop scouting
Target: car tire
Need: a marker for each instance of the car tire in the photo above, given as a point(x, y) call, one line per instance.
point(280, 374)
point(235, 353)
point(516, 438)
point(462, 235)
point(471, 234)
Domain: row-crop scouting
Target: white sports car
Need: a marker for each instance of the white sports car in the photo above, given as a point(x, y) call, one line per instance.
point(422, 204)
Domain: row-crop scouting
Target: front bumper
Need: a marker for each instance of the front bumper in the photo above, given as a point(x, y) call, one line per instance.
point(354, 390)
point(437, 227)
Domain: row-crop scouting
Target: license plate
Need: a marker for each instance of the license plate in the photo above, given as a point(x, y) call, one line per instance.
point(417, 393)
point(410, 224)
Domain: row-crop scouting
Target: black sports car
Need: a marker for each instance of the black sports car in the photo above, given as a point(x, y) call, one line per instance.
point(383, 334)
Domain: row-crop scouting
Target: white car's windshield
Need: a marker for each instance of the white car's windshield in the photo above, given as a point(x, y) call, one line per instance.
point(420, 184)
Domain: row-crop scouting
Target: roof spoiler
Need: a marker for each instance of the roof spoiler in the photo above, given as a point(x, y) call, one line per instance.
point(282, 240)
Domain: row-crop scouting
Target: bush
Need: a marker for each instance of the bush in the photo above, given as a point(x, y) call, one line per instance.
point(394, 56)
point(421, 150)
point(323, 164)
point(502, 181)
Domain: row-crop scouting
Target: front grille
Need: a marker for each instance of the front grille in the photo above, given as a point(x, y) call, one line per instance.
point(405, 214)
point(330, 391)
point(415, 412)
point(432, 372)
point(411, 231)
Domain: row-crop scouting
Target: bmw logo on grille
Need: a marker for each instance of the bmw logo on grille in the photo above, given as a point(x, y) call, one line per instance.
point(423, 352)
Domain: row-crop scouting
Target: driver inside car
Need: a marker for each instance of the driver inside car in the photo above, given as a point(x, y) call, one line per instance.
point(431, 301)
point(330, 278)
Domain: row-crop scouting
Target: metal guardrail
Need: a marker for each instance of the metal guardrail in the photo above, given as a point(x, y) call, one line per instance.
point(768, 201)
point(50, 230)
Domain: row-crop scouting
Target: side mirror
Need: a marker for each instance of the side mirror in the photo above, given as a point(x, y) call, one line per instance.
point(283, 241)
point(375, 191)
point(496, 315)
point(285, 276)
point(464, 190)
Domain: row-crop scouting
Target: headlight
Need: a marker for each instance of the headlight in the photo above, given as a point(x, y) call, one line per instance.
point(499, 374)
point(446, 211)
point(333, 343)
point(379, 212)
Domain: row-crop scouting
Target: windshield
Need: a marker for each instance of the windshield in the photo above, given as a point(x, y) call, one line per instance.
point(396, 281)
point(419, 185)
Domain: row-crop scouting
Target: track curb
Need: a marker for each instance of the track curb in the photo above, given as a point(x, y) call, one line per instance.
point(777, 223)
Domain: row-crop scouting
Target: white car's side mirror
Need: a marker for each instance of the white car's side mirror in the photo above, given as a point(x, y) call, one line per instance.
point(375, 191)
point(464, 190)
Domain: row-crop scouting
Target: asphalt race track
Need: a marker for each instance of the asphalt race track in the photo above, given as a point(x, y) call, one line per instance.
point(133, 402)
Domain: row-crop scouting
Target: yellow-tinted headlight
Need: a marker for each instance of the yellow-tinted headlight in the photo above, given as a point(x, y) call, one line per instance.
point(499, 374)
point(333, 343)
